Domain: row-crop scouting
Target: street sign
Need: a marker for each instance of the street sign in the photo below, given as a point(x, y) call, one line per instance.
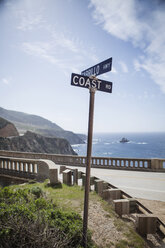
point(86, 82)
point(88, 79)
point(98, 69)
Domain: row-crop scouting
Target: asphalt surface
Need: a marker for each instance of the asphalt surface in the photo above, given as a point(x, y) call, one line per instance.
point(139, 184)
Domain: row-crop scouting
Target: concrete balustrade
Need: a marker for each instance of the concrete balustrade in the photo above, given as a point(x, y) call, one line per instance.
point(75, 176)
point(146, 224)
point(140, 164)
point(62, 168)
point(98, 186)
point(111, 194)
point(29, 168)
point(84, 180)
point(67, 177)
point(122, 206)
point(42, 169)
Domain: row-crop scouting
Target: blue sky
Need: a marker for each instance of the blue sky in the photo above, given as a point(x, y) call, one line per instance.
point(44, 41)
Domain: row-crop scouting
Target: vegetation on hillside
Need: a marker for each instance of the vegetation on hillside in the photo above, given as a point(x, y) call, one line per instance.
point(39, 215)
point(28, 219)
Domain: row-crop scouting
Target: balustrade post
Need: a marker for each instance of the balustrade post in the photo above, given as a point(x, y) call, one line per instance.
point(156, 164)
point(8, 163)
point(28, 164)
point(12, 165)
point(33, 167)
point(0, 164)
point(24, 167)
point(16, 165)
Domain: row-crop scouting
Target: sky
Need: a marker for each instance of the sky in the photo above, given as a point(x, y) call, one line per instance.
point(43, 41)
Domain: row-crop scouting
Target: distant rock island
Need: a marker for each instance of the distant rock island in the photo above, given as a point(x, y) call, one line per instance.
point(36, 124)
point(124, 140)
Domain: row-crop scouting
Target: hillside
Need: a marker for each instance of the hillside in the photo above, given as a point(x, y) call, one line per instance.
point(37, 124)
point(7, 129)
point(107, 229)
point(31, 142)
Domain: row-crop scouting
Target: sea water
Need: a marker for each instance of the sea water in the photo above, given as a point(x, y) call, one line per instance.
point(140, 145)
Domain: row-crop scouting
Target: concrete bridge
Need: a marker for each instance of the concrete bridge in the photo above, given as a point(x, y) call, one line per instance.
point(133, 164)
point(135, 176)
point(43, 166)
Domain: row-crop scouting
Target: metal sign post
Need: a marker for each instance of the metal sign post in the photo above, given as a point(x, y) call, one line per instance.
point(88, 80)
point(88, 166)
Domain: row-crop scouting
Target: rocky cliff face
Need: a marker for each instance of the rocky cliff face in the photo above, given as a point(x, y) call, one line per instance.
point(70, 136)
point(37, 124)
point(31, 142)
point(7, 129)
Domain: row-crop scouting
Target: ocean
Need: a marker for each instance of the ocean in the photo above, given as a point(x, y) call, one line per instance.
point(140, 145)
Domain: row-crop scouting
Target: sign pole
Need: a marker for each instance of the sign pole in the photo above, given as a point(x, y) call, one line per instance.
point(88, 165)
point(88, 79)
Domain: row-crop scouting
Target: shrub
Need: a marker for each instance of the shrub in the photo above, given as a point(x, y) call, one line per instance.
point(28, 222)
point(37, 191)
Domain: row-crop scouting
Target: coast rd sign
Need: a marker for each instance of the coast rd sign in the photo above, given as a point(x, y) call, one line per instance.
point(86, 82)
point(98, 69)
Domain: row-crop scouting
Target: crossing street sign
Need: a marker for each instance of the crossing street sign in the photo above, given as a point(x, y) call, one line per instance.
point(98, 69)
point(86, 82)
point(88, 79)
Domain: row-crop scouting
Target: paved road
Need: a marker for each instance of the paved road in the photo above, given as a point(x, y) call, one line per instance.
point(146, 185)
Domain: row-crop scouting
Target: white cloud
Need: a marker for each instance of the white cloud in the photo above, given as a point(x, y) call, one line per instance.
point(113, 70)
point(65, 51)
point(29, 21)
point(123, 66)
point(140, 22)
point(49, 51)
point(118, 18)
point(41, 50)
point(66, 43)
point(6, 81)
point(57, 47)
point(28, 13)
point(156, 70)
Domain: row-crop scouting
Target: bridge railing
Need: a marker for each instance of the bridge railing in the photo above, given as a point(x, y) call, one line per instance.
point(141, 164)
point(39, 169)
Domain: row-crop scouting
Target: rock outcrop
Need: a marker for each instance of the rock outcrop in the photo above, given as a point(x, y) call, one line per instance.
point(7, 129)
point(32, 142)
point(37, 124)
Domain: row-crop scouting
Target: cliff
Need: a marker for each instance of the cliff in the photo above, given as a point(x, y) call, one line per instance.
point(32, 142)
point(37, 124)
point(7, 129)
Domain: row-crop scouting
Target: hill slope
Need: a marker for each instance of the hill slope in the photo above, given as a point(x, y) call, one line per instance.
point(26, 122)
point(7, 129)
point(31, 142)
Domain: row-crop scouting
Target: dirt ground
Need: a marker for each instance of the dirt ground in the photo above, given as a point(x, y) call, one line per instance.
point(106, 234)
